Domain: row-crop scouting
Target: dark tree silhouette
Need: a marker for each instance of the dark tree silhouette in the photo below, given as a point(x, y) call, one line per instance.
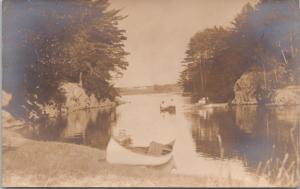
point(263, 38)
point(46, 43)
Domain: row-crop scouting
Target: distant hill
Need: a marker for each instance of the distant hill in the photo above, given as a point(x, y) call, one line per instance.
point(167, 88)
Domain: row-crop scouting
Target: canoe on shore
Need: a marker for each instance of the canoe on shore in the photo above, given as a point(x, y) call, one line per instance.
point(153, 155)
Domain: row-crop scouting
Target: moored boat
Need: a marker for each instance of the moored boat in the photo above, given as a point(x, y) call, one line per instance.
point(154, 154)
point(203, 101)
point(212, 105)
point(215, 105)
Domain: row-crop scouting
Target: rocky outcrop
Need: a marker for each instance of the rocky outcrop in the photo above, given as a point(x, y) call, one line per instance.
point(76, 99)
point(6, 97)
point(286, 96)
point(248, 90)
point(245, 89)
point(7, 119)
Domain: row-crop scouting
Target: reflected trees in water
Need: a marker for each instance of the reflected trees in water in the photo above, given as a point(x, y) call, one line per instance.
point(252, 134)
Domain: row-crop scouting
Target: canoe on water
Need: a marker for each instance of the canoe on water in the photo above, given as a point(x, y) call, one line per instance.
point(154, 154)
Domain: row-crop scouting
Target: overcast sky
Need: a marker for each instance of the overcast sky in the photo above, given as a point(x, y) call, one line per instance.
point(158, 32)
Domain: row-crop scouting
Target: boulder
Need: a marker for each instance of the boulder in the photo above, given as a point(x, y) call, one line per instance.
point(6, 97)
point(286, 96)
point(245, 89)
point(76, 98)
point(7, 119)
point(248, 90)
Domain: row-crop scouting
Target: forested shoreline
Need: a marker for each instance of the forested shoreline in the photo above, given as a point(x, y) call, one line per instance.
point(166, 88)
point(50, 43)
point(79, 42)
point(231, 120)
point(263, 41)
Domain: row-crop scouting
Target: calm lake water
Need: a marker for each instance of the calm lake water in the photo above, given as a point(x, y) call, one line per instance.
point(222, 142)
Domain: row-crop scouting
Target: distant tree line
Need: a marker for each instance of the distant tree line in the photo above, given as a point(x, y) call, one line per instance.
point(263, 37)
point(166, 88)
point(47, 43)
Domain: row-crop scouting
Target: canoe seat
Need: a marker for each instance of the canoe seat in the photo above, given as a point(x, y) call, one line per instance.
point(155, 148)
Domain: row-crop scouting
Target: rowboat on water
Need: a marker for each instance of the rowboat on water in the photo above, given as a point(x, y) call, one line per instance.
point(168, 106)
point(152, 155)
point(170, 109)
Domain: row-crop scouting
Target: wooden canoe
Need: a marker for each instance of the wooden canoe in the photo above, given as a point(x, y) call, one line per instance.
point(153, 155)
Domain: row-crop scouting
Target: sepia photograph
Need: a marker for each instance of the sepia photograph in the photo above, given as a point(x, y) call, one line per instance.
point(150, 93)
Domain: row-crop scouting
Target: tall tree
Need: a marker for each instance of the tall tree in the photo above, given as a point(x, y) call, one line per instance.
point(47, 43)
point(263, 37)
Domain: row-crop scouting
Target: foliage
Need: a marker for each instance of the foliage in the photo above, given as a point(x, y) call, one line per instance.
point(47, 43)
point(262, 37)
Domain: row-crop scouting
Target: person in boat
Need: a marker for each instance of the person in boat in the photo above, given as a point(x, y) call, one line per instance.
point(163, 105)
point(203, 100)
point(206, 100)
point(172, 103)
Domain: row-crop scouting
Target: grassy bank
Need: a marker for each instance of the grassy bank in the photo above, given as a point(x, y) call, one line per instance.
point(36, 163)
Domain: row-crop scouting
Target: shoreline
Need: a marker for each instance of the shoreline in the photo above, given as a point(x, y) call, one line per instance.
point(39, 163)
point(43, 163)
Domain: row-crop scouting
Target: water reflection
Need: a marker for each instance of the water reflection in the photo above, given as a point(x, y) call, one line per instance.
point(88, 127)
point(143, 121)
point(249, 133)
point(222, 142)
